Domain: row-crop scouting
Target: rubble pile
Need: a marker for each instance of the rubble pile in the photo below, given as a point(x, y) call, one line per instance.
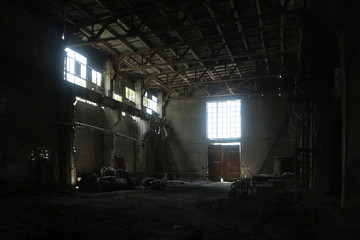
point(114, 180)
point(110, 180)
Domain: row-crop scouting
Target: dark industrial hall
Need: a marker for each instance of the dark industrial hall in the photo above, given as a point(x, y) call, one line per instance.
point(179, 119)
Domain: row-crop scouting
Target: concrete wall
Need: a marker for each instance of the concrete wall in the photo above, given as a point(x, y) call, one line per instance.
point(88, 143)
point(30, 99)
point(95, 149)
point(186, 146)
point(263, 118)
point(262, 122)
point(351, 51)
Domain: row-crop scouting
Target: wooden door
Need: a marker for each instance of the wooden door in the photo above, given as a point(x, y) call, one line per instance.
point(214, 162)
point(224, 162)
point(230, 162)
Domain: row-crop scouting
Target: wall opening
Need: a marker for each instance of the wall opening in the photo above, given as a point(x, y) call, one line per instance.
point(223, 130)
point(224, 161)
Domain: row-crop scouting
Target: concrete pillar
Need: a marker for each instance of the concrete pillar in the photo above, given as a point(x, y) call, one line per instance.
point(160, 103)
point(108, 115)
point(108, 75)
point(138, 94)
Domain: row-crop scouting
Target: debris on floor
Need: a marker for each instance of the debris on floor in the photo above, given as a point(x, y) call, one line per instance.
point(240, 187)
point(153, 184)
point(200, 210)
point(120, 179)
point(110, 180)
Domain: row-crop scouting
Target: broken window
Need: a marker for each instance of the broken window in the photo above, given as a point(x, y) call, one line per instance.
point(223, 119)
point(130, 94)
point(76, 70)
point(150, 103)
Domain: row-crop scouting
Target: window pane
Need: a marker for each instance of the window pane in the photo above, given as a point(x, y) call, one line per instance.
point(93, 76)
point(98, 78)
point(70, 53)
point(223, 119)
point(80, 82)
point(117, 97)
point(83, 71)
point(130, 94)
point(72, 66)
point(70, 77)
point(80, 58)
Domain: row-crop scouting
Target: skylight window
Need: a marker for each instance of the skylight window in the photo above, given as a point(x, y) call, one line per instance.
point(223, 119)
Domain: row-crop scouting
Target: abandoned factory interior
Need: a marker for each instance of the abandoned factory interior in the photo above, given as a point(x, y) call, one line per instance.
point(179, 119)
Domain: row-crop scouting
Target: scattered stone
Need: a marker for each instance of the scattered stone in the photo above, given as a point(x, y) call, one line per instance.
point(107, 171)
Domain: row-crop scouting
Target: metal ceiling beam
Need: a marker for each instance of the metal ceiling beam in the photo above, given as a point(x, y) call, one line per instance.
point(140, 38)
point(194, 26)
point(158, 55)
point(261, 24)
point(247, 55)
point(239, 24)
point(214, 14)
point(222, 81)
point(108, 48)
point(127, 13)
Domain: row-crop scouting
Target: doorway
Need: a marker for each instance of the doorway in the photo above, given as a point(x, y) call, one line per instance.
point(224, 162)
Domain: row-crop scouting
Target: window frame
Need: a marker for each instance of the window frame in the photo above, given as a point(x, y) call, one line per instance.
point(150, 102)
point(223, 123)
point(77, 70)
point(130, 94)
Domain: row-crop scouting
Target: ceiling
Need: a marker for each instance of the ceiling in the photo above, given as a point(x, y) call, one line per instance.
point(223, 47)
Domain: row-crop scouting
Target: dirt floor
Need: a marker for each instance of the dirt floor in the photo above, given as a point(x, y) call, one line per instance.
point(198, 210)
